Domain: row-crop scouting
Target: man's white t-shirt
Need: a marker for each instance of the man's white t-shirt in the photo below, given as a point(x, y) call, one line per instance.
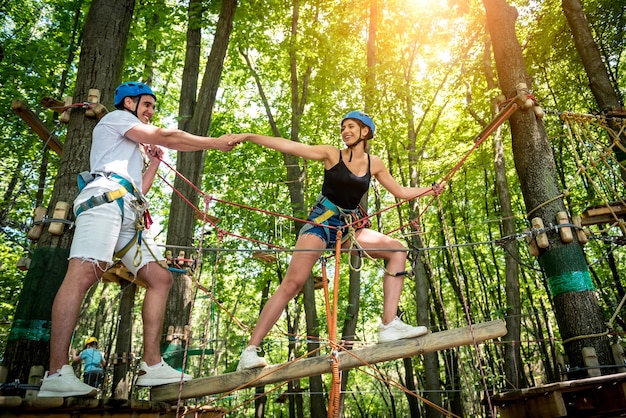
point(112, 151)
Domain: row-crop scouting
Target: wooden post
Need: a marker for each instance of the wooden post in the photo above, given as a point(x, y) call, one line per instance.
point(590, 359)
point(93, 98)
point(65, 116)
point(40, 128)
point(618, 356)
point(34, 378)
point(542, 238)
point(582, 237)
point(35, 231)
point(532, 243)
point(61, 210)
point(565, 231)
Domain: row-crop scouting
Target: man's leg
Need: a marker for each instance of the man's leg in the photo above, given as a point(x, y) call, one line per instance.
point(60, 380)
point(80, 276)
point(159, 282)
point(153, 371)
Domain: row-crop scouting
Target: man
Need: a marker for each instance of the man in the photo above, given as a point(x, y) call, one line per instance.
point(109, 220)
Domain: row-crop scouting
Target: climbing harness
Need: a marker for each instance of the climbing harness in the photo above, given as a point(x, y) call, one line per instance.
point(139, 205)
point(354, 219)
point(86, 177)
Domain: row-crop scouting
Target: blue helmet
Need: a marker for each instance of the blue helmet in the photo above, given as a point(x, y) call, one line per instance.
point(131, 89)
point(363, 117)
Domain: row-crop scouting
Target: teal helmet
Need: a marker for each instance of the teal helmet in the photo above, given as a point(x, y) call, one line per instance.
point(363, 117)
point(131, 89)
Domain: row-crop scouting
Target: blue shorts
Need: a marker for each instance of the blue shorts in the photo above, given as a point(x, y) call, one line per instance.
point(327, 219)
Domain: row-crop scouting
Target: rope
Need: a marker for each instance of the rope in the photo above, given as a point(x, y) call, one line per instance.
point(577, 126)
point(334, 397)
point(331, 315)
point(504, 114)
point(466, 309)
point(195, 279)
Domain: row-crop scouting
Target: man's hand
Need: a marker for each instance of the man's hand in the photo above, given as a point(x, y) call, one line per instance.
point(234, 139)
point(227, 142)
point(154, 152)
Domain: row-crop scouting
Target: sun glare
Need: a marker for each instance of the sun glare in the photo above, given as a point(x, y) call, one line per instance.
point(427, 4)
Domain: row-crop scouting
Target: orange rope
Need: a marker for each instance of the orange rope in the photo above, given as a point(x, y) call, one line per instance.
point(331, 315)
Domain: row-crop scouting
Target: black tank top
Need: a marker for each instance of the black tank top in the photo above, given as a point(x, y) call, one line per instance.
point(344, 188)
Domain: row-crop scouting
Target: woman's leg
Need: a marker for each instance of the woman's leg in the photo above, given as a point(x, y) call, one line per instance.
point(308, 250)
point(381, 246)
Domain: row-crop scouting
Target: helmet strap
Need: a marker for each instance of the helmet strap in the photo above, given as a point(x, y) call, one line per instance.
point(134, 112)
point(354, 145)
point(137, 107)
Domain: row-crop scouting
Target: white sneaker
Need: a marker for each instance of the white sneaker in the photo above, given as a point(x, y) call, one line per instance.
point(250, 359)
point(398, 330)
point(65, 384)
point(159, 374)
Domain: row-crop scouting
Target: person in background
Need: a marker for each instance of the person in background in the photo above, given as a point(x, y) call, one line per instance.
point(94, 362)
point(110, 213)
point(347, 176)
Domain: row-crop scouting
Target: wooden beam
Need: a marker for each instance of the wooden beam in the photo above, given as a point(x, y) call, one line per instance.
point(40, 128)
point(319, 365)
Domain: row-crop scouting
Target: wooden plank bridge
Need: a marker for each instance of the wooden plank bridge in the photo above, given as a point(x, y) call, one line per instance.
point(313, 366)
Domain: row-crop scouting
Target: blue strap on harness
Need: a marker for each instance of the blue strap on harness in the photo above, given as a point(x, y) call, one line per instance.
point(85, 178)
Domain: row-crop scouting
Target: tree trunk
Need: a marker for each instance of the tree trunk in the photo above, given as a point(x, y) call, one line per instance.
point(599, 80)
point(513, 366)
point(432, 382)
point(191, 164)
point(122, 359)
point(576, 306)
point(101, 63)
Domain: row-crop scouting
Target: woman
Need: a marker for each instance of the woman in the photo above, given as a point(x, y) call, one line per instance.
point(347, 177)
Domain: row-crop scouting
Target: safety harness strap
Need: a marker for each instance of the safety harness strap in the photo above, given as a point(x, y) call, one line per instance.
point(108, 197)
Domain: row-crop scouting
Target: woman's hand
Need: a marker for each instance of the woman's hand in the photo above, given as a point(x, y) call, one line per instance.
point(438, 188)
point(234, 139)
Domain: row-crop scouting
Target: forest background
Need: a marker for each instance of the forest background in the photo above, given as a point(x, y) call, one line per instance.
point(433, 91)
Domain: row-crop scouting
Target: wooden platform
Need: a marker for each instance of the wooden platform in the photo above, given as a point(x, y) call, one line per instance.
point(319, 365)
point(603, 396)
point(17, 407)
point(603, 214)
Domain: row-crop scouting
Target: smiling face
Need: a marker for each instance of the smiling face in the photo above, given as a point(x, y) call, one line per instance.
point(352, 131)
point(144, 105)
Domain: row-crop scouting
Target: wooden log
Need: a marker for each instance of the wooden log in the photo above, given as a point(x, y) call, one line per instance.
point(43, 403)
point(319, 365)
point(34, 378)
point(61, 210)
point(565, 231)
point(10, 401)
point(40, 128)
point(53, 104)
point(35, 231)
point(542, 237)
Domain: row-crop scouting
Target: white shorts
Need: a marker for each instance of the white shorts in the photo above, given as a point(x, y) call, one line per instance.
point(100, 231)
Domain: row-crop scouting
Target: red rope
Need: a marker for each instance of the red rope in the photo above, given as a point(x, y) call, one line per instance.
point(499, 119)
